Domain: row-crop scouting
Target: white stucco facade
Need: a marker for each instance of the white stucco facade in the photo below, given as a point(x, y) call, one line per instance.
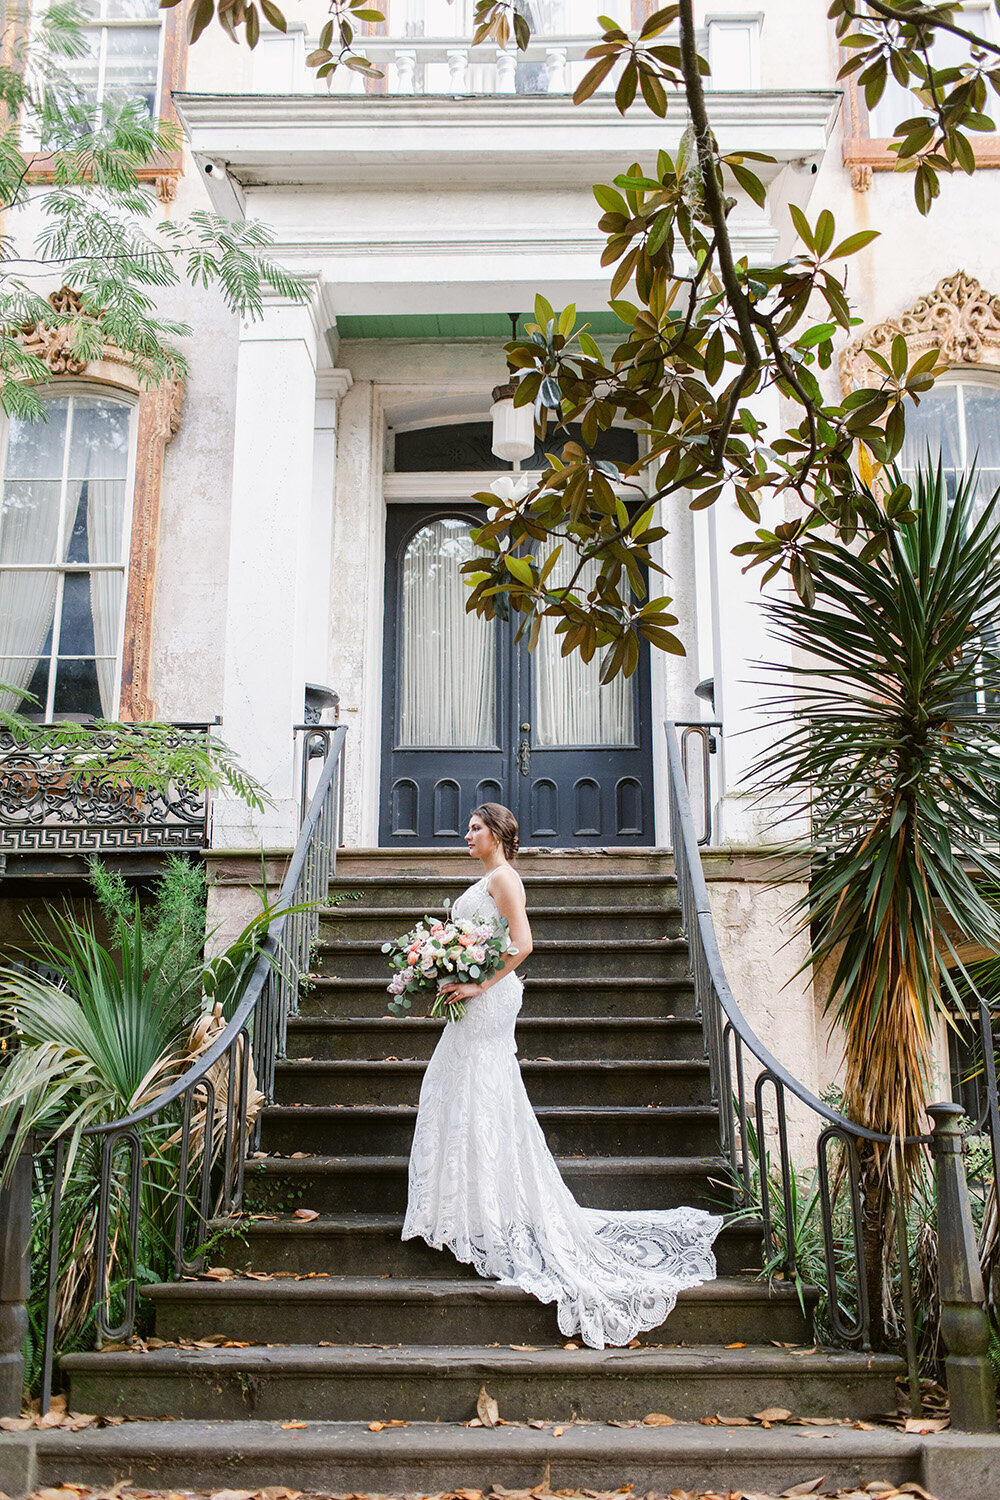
point(270, 569)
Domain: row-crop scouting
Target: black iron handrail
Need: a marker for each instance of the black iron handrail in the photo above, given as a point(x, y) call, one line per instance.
point(730, 1041)
point(241, 1057)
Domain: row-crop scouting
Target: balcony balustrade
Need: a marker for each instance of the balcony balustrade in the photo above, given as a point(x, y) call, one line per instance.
point(447, 65)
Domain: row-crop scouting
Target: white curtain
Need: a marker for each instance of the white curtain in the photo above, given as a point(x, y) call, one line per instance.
point(29, 529)
point(571, 707)
point(105, 516)
point(447, 657)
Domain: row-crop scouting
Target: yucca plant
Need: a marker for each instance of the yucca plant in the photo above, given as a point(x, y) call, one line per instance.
point(890, 747)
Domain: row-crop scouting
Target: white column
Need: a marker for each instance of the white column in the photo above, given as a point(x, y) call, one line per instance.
point(270, 547)
point(331, 386)
point(742, 646)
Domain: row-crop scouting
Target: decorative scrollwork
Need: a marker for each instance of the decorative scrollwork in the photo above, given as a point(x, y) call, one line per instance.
point(51, 803)
point(958, 317)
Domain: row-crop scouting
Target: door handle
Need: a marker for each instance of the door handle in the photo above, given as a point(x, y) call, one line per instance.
point(524, 756)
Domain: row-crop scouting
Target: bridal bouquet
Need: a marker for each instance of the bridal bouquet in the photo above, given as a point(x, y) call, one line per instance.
point(438, 951)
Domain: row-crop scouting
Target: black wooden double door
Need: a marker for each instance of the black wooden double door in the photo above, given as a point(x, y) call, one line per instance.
point(470, 715)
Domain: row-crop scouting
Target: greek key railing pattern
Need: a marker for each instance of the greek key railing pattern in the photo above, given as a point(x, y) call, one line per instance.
point(54, 801)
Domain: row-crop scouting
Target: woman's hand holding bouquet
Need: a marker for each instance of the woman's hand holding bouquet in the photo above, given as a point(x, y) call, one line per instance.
point(452, 950)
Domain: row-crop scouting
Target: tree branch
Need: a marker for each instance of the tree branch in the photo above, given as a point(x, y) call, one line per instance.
point(704, 143)
point(889, 12)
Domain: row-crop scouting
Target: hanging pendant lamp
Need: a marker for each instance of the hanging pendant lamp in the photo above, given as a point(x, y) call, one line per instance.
point(513, 426)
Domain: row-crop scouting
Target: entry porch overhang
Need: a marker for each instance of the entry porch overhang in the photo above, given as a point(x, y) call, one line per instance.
point(521, 141)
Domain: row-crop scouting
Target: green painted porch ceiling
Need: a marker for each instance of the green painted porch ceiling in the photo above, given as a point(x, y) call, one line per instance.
point(453, 325)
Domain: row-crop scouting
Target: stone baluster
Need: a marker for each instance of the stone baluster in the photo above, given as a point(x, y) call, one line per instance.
point(15, 1238)
point(458, 69)
point(406, 62)
point(964, 1326)
point(506, 65)
point(555, 70)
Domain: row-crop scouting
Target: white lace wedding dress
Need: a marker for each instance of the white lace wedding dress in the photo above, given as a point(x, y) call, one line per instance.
point(484, 1185)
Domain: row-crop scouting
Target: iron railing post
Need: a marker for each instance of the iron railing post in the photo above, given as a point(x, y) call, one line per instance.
point(964, 1326)
point(15, 1275)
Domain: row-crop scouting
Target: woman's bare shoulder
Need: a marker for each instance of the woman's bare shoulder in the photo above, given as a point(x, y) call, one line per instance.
point(507, 882)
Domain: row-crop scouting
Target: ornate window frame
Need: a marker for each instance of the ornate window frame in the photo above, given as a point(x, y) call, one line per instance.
point(158, 419)
point(959, 317)
point(167, 171)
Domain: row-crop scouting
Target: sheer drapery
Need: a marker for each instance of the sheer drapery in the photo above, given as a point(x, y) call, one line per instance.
point(105, 516)
point(571, 706)
point(29, 533)
point(447, 692)
point(959, 423)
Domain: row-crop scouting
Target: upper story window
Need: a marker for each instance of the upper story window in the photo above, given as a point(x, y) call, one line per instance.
point(65, 518)
point(868, 132)
point(124, 53)
point(960, 421)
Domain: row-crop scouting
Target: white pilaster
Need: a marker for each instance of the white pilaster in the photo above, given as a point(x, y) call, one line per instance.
point(270, 547)
point(742, 646)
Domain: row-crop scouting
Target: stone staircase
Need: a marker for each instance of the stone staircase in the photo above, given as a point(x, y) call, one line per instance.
point(336, 1321)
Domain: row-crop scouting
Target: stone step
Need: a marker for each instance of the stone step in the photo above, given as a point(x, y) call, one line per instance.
point(424, 1383)
point(586, 997)
point(548, 923)
point(374, 1310)
point(577, 957)
point(338, 1039)
point(651, 890)
point(642, 1082)
point(359, 1244)
point(373, 1184)
point(591, 1130)
point(427, 1458)
point(592, 864)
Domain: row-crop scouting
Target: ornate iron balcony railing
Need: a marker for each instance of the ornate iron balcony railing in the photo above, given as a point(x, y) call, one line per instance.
point(54, 801)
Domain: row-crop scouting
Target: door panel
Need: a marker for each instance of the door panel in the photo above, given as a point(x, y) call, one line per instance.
point(470, 716)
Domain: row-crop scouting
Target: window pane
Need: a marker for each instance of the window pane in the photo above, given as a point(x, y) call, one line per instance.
point(132, 10)
point(448, 657)
point(29, 522)
point(982, 414)
point(131, 63)
point(99, 444)
point(26, 604)
point(76, 634)
point(571, 706)
point(35, 449)
point(933, 425)
point(77, 691)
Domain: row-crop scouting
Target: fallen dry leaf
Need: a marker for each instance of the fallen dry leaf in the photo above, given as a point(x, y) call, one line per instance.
point(487, 1409)
point(925, 1424)
point(657, 1419)
point(807, 1487)
point(232, 1495)
point(221, 1273)
point(734, 1421)
point(288, 1426)
point(526, 1348)
point(571, 1346)
point(306, 1215)
point(773, 1414)
point(735, 1346)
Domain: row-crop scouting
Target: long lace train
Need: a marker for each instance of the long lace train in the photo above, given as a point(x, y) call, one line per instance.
point(484, 1185)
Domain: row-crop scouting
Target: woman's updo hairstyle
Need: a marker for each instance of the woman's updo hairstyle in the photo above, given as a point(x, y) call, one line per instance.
point(502, 823)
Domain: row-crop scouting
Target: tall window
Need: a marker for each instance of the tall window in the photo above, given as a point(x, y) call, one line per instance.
point(123, 59)
point(960, 421)
point(64, 523)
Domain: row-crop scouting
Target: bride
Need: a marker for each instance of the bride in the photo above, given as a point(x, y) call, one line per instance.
point(483, 1183)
